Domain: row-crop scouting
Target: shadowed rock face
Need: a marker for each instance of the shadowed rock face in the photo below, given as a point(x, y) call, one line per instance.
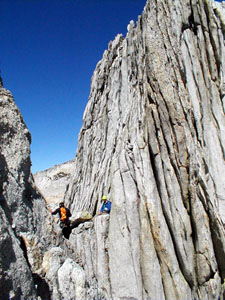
point(21, 208)
point(153, 140)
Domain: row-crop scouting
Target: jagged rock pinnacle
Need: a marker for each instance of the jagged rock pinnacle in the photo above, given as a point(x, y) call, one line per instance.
point(1, 83)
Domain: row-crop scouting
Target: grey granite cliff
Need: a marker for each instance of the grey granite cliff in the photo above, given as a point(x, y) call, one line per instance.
point(153, 141)
point(23, 214)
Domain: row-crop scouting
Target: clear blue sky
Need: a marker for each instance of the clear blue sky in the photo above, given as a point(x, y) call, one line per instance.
point(48, 52)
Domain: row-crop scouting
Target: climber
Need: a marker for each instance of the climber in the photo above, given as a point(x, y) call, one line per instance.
point(64, 214)
point(106, 206)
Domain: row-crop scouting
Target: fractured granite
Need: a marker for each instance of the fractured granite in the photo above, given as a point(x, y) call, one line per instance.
point(21, 208)
point(152, 140)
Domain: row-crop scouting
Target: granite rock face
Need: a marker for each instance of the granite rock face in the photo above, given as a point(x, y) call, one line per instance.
point(52, 183)
point(21, 208)
point(153, 141)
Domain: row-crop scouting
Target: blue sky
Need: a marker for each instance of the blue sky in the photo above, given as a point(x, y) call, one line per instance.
point(48, 52)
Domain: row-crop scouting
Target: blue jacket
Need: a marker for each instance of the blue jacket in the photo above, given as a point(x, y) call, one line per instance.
point(106, 207)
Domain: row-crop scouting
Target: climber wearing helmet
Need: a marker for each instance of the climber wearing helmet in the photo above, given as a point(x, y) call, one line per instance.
point(64, 214)
point(106, 206)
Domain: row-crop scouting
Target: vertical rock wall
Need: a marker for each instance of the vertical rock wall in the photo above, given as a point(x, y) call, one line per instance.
point(153, 140)
point(22, 211)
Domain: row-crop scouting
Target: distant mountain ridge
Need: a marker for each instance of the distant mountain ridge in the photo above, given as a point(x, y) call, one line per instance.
point(52, 183)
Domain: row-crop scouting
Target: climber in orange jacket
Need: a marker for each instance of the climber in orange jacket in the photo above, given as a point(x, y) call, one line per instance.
point(64, 214)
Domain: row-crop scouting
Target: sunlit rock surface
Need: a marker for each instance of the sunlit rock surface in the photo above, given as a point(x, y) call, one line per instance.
point(152, 140)
point(52, 183)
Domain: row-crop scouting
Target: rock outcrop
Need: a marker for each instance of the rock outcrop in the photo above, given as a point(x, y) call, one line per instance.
point(153, 140)
point(23, 232)
point(52, 183)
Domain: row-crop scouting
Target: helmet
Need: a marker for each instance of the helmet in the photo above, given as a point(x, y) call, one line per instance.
point(104, 197)
point(61, 204)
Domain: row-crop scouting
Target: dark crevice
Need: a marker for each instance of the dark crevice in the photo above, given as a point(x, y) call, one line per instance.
point(42, 288)
point(184, 27)
point(7, 210)
point(154, 169)
point(95, 208)
point(191, 192)
point(183, 74)
point(66, 231)
point(192, 24)
point(194, 123)
point(66, 190)
point(203, 194)
point(4, 180)
point(24, 249)
point(193, 228)
point(150, 99)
